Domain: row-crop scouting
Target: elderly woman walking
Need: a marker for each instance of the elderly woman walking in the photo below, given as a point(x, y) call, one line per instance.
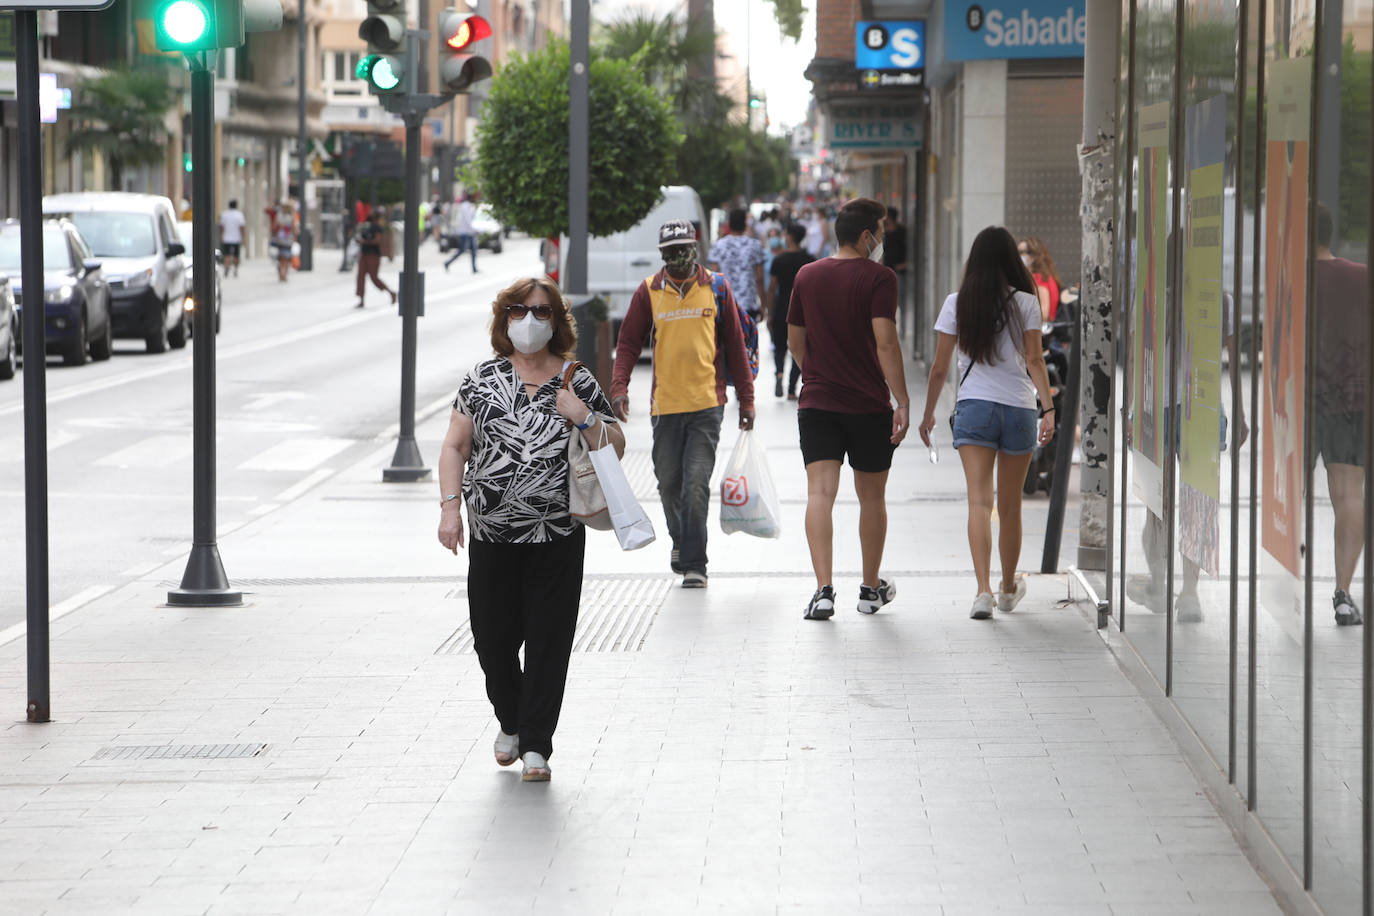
point(505, 458)
point(994, 320)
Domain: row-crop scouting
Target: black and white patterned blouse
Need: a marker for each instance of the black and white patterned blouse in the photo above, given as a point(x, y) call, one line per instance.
point(516, 483)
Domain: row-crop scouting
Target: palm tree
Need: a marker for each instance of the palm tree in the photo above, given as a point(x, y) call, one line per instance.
point(662, 48)
point(121, 114)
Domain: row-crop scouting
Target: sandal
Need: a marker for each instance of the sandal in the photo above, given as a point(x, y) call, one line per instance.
point(536, 768)
point(507, 749)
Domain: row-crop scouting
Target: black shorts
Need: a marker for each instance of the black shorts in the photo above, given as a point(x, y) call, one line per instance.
point(865, 437)
point(1339, 438)
point(231, 249)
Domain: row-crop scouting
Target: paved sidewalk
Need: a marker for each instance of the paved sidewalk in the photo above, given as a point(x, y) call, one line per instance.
point(716, 753)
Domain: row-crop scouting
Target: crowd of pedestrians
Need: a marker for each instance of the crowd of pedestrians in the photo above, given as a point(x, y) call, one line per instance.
point(828, 294)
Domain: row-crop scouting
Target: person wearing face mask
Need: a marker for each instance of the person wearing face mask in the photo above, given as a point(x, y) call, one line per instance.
point(505, 459)
point(696, 335)
point(842, 331)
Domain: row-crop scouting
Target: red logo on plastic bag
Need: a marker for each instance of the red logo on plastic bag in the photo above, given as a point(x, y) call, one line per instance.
point(734, 491)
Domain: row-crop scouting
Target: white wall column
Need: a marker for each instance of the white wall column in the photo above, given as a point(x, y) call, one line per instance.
point(982, 150)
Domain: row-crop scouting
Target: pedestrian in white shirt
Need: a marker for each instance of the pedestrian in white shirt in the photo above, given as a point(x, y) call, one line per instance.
point(231, 225)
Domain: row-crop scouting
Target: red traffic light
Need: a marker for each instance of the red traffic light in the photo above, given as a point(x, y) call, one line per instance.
point(472, 28)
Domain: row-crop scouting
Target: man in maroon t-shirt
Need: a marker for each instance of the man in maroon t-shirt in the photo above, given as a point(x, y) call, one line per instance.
point(1338, 400)
point(842, 331)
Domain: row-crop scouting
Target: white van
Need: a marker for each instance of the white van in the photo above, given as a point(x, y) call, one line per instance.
point(618, 263)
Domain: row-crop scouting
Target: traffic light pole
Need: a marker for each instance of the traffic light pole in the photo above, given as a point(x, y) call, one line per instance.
point(204, 583)
point(407, 466)
point(35, 379)
point(307, 238)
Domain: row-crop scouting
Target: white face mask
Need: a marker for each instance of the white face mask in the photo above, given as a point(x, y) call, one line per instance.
point(529, 334)
point(1025, 259)
point(877, 253)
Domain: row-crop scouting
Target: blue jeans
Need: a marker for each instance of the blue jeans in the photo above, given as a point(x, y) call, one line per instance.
point(684, 457)
point(465, 243)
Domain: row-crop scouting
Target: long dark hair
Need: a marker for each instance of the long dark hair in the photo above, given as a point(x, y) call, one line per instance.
point(986, 304)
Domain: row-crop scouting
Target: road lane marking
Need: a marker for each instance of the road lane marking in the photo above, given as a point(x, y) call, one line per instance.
point(298, 489)
point(152, 452)
point(296, 455)
point(55, 441)
point(80, 599)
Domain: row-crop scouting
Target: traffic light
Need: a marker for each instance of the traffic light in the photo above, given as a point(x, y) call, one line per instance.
point(198, 25)
point(459, 69)
point(383, 68)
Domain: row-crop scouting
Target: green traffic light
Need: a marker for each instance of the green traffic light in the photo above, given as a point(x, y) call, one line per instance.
point(384, 75)
point(184, 21)
point(364, 69)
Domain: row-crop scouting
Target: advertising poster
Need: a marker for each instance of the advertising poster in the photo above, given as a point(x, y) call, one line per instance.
point(1148, 366)
point(1204, 143)
point(1285, 307)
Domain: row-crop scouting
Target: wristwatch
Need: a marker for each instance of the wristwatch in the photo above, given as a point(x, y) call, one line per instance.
point(587, 421)
point(450, 498)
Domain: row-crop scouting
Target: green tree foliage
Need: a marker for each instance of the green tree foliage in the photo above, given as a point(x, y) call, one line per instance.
point(521, 165)
point(121, 114)
point(1353, 217)
point(789, 14)
point(717, 148)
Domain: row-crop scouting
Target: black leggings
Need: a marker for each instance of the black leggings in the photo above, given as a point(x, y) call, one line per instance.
point(526, 593)
point(778, 331)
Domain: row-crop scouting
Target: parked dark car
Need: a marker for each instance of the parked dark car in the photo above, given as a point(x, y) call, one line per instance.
point(9, 330)
point(184, 234)
point(75, 295)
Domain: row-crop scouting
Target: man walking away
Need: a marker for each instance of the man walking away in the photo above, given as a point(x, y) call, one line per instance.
point(374, 240)
point(782, 273)
point(463, 219)
point(843, 332)
point(231, 225)
point(740, 257)
point(696, 335)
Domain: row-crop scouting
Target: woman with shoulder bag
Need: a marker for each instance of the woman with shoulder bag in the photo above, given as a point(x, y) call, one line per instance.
point(506, 457)
point(994, 321)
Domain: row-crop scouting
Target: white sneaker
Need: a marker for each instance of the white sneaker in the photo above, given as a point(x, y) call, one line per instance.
point(1007, 601)
point(982, 606)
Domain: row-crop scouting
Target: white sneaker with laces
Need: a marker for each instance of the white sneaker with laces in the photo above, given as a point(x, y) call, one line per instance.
point(1007, 601)
point(870, 599)
point(982, 606)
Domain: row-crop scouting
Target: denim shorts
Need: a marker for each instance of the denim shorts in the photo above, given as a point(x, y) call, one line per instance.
point(1011, 430)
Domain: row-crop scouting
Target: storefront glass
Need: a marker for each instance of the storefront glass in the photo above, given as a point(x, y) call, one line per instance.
point(1243, 207)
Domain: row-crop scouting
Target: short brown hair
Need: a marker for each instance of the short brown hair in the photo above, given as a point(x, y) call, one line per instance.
point(859, 215)
point(564, 341)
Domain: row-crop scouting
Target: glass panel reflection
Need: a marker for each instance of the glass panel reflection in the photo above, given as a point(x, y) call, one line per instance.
point(1340, 404)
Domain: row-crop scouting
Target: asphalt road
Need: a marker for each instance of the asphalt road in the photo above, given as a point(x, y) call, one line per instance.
point(306, 385)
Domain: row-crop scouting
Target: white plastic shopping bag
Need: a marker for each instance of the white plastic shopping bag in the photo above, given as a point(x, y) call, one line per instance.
point(748, 499)
point(632, 525)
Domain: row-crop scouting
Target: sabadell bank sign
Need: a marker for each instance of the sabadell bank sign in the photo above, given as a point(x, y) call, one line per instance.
point(999, 29)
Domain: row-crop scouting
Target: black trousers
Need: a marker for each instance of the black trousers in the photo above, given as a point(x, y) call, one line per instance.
point(526, 593)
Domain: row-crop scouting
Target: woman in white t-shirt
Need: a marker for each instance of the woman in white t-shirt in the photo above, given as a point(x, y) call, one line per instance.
point(994, 321)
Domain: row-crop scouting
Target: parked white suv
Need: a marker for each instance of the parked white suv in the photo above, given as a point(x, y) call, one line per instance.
point(135, 238)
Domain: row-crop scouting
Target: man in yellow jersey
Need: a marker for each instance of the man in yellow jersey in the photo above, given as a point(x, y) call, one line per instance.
point(696, 336)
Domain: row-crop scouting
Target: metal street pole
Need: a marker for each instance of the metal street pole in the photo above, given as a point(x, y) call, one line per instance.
point(407, 466)
point(307, 238)
point(204, 583)
point(575, 278)
point(35, 378)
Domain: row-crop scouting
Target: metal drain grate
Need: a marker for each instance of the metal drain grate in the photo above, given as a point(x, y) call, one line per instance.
point(617, 614)
point(180, 752)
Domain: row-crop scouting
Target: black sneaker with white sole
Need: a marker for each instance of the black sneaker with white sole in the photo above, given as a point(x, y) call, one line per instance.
point(694, 578)
point(1347, 612)
point(822, 605)
point(675, 562)
point(870, 599)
